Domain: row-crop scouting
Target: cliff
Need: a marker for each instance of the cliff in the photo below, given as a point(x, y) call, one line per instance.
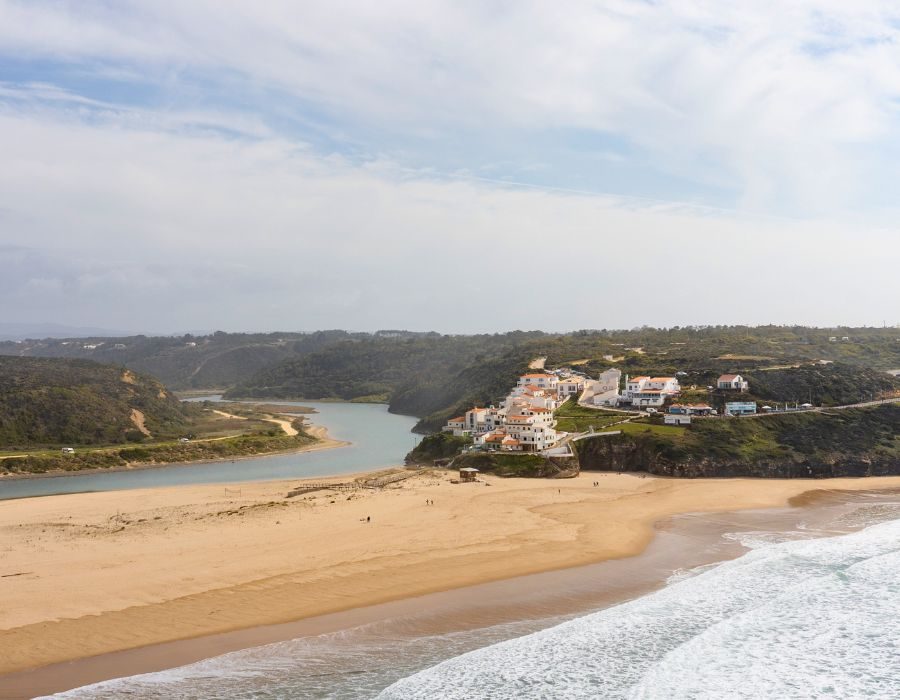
point(852, 442)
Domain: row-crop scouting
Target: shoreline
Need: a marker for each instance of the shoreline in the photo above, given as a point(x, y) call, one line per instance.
point(323, 442)
point(530, 527)
point(577, 592)
point(680, 541)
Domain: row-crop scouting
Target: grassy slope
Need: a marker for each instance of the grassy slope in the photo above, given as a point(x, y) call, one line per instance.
point(841, 442)
point(572, 418)
point(160, 453)
point(47, 401)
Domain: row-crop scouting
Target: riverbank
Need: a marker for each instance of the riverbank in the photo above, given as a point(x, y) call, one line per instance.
point(149, 566)
point(319, 433)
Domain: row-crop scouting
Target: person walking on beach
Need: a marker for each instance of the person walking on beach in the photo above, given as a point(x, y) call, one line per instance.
point(368, 518)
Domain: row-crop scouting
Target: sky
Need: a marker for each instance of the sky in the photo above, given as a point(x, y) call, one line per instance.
point(460, 166)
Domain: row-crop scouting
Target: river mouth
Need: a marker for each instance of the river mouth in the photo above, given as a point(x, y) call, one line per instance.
point(376, 438)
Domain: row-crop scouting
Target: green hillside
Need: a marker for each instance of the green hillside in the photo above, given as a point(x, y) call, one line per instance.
point(848, 442)
point(427, 375)
point(433, 376)
point(185, 362)
point(46, 401)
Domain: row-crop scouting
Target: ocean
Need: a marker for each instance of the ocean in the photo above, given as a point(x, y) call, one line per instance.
point(793, 617)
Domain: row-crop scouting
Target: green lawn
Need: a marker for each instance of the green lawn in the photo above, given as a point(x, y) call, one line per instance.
point(643, 427)
point(572, 418)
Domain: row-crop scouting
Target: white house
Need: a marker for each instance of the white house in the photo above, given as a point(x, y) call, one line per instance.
point(457, 426)
point(645, 392)
point(542, 380)
point(533, 396)
point(732, 382)
point(608, 380)
point(533, 429)
point(570, 386)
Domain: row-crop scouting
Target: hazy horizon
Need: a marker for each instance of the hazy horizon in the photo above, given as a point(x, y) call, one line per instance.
point(456, 166)
point(17, 332)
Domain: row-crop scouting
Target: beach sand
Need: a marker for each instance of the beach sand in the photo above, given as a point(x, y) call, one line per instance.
point(89, 574)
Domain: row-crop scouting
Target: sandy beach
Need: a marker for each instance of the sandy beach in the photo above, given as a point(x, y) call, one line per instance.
point(90, 574)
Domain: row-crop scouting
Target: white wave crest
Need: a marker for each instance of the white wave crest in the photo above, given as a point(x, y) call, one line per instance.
point(800, 619)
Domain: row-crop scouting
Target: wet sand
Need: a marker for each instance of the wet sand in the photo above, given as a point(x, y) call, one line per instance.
point(122, 612)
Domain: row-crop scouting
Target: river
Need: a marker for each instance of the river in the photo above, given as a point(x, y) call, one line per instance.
point(378, 439)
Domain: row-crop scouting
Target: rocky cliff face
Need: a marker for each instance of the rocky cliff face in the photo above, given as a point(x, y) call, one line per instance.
point(646, 454)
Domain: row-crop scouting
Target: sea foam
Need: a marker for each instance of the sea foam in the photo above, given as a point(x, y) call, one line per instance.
point(800, 619)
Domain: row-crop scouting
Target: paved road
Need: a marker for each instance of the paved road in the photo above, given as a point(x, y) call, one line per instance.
point(821, 409)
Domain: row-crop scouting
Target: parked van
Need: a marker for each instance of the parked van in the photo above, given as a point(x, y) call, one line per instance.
point(68, 450)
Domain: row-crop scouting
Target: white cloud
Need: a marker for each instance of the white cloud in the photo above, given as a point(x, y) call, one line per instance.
point(169, 230)
point(182, 200)
point(784, 105)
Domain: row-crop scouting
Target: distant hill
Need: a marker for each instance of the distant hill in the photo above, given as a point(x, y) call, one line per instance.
point(419, 376)
point(184, 362)
point(433, 376)
point(51, 401)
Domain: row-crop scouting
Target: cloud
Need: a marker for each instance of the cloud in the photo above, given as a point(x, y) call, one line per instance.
point(166, 229)
point(461, 166)
point(782, 107)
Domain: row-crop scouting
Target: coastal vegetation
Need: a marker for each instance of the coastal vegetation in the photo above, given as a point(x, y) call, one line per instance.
point(427, 375)
point(218, 360)
point(849, 442)
point(573, 418)
point(837, 384)
point(80, 402)
point(437, 446)
point(106, 416)
point(508, 464)
point(160, 453)
point(434, 376)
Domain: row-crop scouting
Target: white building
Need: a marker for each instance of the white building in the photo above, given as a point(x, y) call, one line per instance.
point(609, 380)
point(532, 429)
point(732, 382)
point(457, 426)
point(524, 421)
point(570, 386)
point(542, 380)
point(644, 392)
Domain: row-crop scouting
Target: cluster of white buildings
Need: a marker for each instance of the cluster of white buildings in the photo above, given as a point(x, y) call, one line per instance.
point(524, 421)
